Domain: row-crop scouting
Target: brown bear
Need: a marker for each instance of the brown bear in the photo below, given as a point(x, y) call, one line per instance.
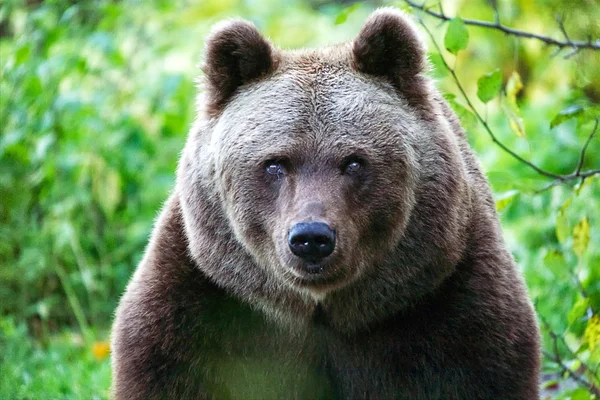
point(330, 235)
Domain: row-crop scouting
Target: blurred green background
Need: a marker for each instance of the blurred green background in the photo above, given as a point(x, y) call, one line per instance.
point(96, 100)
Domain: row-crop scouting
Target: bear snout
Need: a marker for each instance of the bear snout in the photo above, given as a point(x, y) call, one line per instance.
point(312, 242)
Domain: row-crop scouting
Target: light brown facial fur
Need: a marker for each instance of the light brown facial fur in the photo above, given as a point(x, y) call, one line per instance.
point(418, 299)
point(312, 113)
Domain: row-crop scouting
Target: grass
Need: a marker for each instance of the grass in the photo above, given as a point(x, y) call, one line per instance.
point(64, 366)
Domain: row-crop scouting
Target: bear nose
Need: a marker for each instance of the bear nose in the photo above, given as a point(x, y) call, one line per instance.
point(311, 241)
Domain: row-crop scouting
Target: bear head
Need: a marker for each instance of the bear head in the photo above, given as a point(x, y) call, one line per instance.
point(323, 172)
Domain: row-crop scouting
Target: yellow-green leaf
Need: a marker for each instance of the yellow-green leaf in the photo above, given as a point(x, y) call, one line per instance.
point(592, 333)
point(565, 205)
point(505, 199)
point(562, 227)
point(579, 187)
point(513, 87)
point(106, 185)
point(511, 108)
point(515, 122)
point(578, 310)
point(581, 236)
point(562, 222)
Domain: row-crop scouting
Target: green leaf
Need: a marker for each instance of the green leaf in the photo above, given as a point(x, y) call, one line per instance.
point(439, 69)
point(581, 236)
point(504, 199)
point(580, 394)
point(562, 222)
point(580, 186)
point(489, 85)
point(22, 53)
point(578, 310)
point(562, 227)
point(343, 15)
point(457, 36)
point(465, 115)
point(566, 114)
point(565, 205)
point(106, 185)
point(556, 263)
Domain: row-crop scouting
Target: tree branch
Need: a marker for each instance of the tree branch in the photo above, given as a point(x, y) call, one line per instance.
point(557, 178)
point(577, 45)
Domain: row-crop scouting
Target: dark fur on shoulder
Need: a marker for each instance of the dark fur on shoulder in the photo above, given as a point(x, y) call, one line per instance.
point(420, 298)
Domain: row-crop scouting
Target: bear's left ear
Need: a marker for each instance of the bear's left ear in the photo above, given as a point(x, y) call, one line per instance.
point(235, 54)
point(389, 46)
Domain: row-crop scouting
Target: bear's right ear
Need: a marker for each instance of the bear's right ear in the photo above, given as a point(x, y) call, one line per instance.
point(235, 54)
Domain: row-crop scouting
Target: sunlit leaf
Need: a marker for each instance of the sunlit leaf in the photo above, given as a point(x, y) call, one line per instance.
point(565, 205)
point(504, 199)
point(592, 333)
point(562, 227)
point(457, 36)
point(556, 263)
point(580, 186)
point(439, 69)
point(467, 118)
point(578, 310)
point(343, 15)
point(513, 87)
point(106, 185)
point(511, 108)
point(515, 121)
point(580, 394)
point(489, 85)
point(581, 236)
point(563, 230)
point(22, 53)
point(566, 114)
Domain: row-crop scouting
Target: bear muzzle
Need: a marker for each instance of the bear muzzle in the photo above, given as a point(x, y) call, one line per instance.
point(312, 242)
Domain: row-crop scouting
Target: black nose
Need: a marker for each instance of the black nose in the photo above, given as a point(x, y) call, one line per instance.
point(311, 241)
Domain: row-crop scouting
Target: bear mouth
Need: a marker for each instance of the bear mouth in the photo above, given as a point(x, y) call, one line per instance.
point(320, 276)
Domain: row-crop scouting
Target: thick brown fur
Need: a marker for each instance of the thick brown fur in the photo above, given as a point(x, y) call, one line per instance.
point(420, 298)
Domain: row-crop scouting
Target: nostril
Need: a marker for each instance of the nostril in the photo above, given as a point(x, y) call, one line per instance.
point(311, 241)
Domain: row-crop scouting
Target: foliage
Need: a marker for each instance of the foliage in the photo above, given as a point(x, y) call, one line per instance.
point(96, 98)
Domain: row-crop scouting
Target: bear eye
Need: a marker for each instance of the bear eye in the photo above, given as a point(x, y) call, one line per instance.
point(274, 168)
point(352, 166)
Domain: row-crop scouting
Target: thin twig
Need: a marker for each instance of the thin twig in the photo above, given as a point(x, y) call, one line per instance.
point(494, 5)
point(584, 148)
point(567, 43)
point(557, 178)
